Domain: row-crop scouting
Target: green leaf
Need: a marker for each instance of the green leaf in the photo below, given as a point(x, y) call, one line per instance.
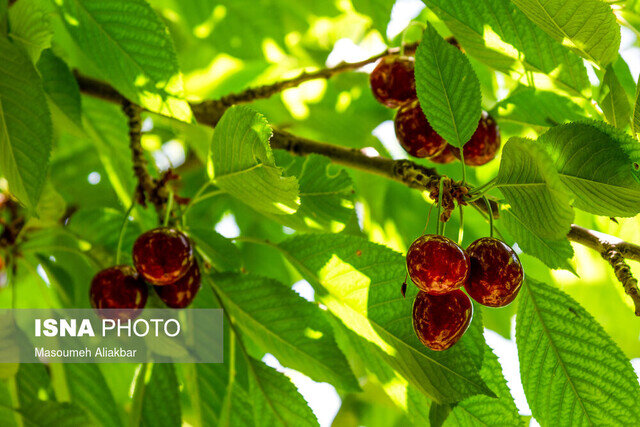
point(572, 372)
point(635, 125)
point(25, 125)
point(60, 86)
point(359, 282)
point(241, 163)
point(106, 125)
point(286, 325)
point(54, 414)
point(326, 193)
point(532, 188)
point(484, 410)
point(276, 400)
point(448, 89)
point(599, 165)
point(379, 11)
point(537, 107)
point(101, 228)
point(30, 26)
point(554, 253)
point(4, 12)
point(498, 34)
point(132, 48)
point(221, 402)
point(89, 390)
point(615, 103)
point(438, 414)
point(161, 399)
point(587, 26)
point(33, 383)
point(223, 254)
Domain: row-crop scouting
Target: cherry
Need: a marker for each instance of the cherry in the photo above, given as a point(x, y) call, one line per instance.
point(484, 143)
point(162, 255)
point(496, 273)
point(441, 320)
point(445, 156)
point(392, 81)
point(414, 132)
point(436, 264)
point(118, 287)
point(181, 293)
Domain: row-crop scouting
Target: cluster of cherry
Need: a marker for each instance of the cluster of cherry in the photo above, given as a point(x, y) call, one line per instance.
point(162, 257)
point(393, 85)
point(489, 270)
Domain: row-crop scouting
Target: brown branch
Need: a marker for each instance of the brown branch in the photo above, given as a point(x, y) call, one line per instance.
point(406, 172)
point(623, 273)
point(601, 242)
point(148, 187)
point(266, 91)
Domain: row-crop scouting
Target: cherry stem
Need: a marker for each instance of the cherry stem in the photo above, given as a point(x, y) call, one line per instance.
point(123, 227)
point(440, 228)
point(406, 30)
point(428, 219)
point(490, 211)
point(195, 198)
point(461, 229)
point(167, 213)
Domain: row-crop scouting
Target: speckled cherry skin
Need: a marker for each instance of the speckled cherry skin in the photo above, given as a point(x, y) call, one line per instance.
point(440, 320)
point(483, 145)
point(181, 293)
point(162, 255)
point(414, 132)
point(392, 81)
point(496, 274)
point(436, 264)
point(118, 287)
point(445, 156)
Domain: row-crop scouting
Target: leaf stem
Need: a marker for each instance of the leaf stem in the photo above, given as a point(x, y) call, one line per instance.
point(464, 169)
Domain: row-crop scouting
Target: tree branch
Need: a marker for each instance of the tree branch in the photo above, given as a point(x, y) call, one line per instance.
point(406, 172)
point(266, 91)
point(148, 188)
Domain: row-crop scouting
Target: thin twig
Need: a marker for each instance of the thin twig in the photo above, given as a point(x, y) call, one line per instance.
point(266, 91)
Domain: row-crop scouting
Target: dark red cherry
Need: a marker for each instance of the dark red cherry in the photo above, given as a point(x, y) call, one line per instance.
point(436, 264)
point(414, 132)
point(162, 255)
point(496, 274)
point(444, 157)
point(441, 320)
point(181, 293)
point(118, 287)
point(484, 143)
point(392, 81)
